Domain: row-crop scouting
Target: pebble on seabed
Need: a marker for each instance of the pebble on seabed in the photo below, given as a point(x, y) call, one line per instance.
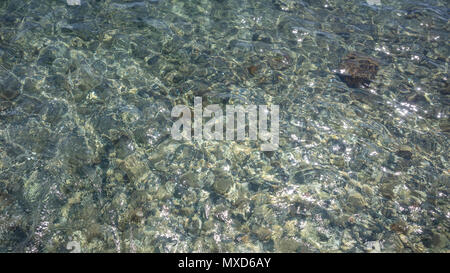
point(74, 2)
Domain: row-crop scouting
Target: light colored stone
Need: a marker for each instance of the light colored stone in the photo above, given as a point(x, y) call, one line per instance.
point(74, 2)
point(374, 2)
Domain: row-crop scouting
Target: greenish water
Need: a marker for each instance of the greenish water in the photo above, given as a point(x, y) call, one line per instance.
point(86, 155)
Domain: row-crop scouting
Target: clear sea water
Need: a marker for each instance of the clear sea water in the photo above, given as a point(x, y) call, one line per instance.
point(87, 162)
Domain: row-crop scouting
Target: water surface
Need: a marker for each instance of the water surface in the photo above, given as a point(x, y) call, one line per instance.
point(86, 154)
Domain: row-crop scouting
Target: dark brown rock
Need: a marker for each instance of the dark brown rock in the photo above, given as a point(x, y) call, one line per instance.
point(405, 152)
point(358, 70)
point(253, 70)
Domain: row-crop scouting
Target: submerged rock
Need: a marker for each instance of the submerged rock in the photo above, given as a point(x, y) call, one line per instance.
point(287, 245)
point(355, 202)
point(399, 227)
point(4, 105)
point(9, 88)
point(222, 182)
point(135, 168)
point(74, 2)
point(445, 125)
point(253, 70)
point(404, 152)
point(358, 70)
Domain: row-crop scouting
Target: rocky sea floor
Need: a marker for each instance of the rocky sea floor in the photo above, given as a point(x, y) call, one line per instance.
point(87, 159)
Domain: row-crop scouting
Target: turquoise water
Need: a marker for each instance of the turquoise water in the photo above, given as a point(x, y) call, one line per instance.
point(87, 162)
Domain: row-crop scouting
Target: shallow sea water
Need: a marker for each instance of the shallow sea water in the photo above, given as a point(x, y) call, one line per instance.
point(87, 159)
